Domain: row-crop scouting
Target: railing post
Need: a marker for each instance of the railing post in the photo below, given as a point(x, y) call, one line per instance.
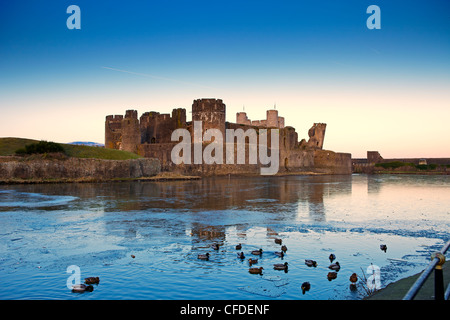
point(438, 276)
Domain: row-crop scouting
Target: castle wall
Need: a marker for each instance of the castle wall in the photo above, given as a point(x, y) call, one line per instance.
point(330, 162)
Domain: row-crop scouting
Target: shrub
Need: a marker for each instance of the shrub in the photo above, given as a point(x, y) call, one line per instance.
point(426, 167)
point(393, 164)
point(41, 147)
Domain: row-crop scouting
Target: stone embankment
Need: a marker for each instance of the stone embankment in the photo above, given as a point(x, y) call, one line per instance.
point(16, 169)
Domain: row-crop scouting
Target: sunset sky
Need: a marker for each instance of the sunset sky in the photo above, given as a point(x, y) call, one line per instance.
point(386, 90)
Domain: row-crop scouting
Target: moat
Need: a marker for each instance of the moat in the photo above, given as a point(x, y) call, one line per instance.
point(142, 239)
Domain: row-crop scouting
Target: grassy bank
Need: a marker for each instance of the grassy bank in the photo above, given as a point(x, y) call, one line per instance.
point(8, 147)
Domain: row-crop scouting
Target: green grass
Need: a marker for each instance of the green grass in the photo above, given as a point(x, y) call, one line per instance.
point(8, 147)
point(398, 164)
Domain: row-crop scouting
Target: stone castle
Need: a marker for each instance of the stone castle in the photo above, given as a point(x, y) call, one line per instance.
point(150, 136)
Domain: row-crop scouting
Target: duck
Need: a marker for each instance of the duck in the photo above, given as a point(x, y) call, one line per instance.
point(278, 241)
point(133, 256)
point(215, 246)
point(257, 252)
point(283, 248)
point(305, 287)
point(279, 254)
point(256, 270)
point(353, 278)
point(252, 261)
point(383, 247)
point(80, 288)
point(335, 266)
point(241, 255)
point(92, 280)
point(332, 257)
point(203, 256)
point(331, 275)
point(281, 266)
point(311, 263)
point(239, 246)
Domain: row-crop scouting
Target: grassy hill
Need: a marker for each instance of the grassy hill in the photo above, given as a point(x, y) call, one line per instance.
point(8, 147)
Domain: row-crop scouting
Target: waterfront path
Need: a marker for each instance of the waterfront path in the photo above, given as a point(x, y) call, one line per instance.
point(397, 290)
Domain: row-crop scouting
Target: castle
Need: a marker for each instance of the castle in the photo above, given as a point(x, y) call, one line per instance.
point(150, 136)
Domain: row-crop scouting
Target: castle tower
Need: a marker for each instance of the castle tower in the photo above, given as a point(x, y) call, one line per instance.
point(272, 118)
point(211, 112)
point(113, 131)
point(317, 135)
point(241, 118)
point(131, 134)
point(179, 118)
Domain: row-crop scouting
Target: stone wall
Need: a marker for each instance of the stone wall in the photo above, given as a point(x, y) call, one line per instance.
point(330, 162)
point(76, 168)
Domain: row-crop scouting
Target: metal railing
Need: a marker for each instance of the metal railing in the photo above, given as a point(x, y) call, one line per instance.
point(437, 261)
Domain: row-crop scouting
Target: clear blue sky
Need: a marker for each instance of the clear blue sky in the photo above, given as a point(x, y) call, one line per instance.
point(385, 90)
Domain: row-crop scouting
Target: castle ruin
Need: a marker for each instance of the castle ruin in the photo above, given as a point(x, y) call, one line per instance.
point(150, 136)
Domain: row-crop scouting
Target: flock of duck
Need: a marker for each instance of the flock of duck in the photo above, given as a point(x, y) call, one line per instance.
point(334, 266)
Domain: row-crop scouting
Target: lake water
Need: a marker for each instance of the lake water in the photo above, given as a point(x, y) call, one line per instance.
point(46, 228)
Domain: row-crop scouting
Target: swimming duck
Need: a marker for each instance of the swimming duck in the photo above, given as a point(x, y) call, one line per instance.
point(331, 275)
point(133, 256)
point(203, 256)
point(305, 287)
point(241, 255)
point(279, 254)
point(335, 266)
point(283, 248)
point(252, 261)
point(239, 246)
point(281, 266)
point(354, 278)
point(256, 270)
point(278, 241)
point(332, 257)
point(82, 288)
point(215, 246)
point(383, 247)
point(257, 252)
point(311, 263)
point(92, 280)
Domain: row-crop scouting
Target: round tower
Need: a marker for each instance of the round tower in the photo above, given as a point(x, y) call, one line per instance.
point(131, 134)
point(272, 118)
